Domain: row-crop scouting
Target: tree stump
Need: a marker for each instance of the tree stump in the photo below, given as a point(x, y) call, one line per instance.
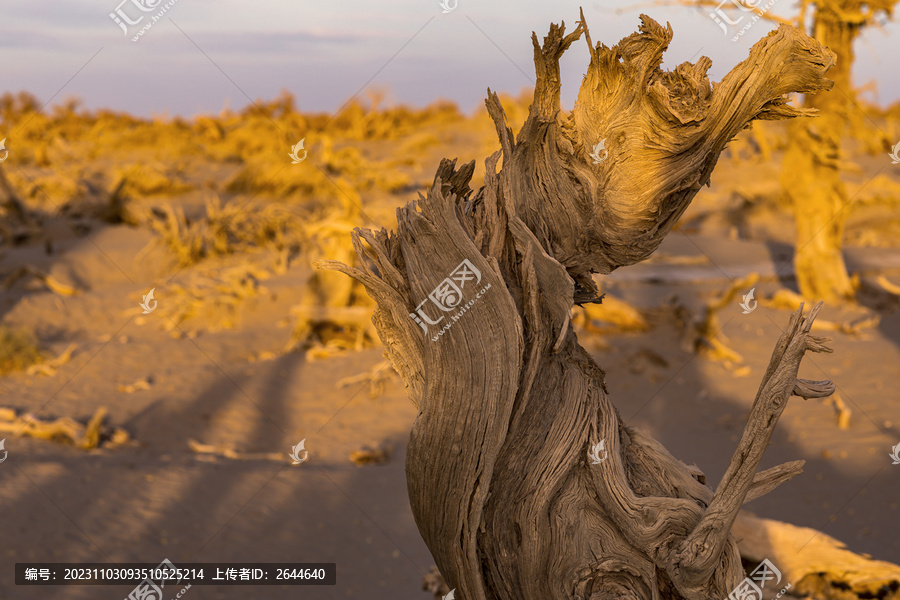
point(474, 293)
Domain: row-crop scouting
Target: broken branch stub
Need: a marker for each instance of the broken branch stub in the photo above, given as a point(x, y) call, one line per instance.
point(474, 293)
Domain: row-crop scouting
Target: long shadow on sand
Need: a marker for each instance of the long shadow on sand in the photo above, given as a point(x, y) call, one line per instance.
point(159, 501)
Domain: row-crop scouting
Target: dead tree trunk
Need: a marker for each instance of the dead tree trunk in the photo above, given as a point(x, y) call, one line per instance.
point(811, 176)
point(14, 219)
point(474, 295)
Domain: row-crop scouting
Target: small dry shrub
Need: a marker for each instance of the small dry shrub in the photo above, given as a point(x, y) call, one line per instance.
point(142, 179)
point(228, 228)
point(366, 120)
point(212, 300)
point(18, 350)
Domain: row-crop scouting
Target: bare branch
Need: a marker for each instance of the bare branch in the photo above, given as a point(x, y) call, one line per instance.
point(703, 547)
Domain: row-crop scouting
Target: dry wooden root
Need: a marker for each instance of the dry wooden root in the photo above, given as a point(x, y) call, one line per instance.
point(208, 451)
point(333, 347)
point(887, 286)
point(263, 356)
point(50, 367)
point(376, 377)
point(677, 259)
point(474, 293)
point(787, 299)
point(372, 455)
point(326, 331)
point(842, 412)
point(140, 384)
point(52, 284)
point(815, 563)
point(433, 582)
point(708, 336)
point(613, 312)
point(64, 429)
point(338, 327)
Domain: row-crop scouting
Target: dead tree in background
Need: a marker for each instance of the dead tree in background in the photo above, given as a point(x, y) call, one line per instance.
point(13, 215)
point(509, 404)
point(811, 176)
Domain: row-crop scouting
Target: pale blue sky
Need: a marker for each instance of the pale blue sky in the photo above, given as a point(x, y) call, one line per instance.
point(325, 51)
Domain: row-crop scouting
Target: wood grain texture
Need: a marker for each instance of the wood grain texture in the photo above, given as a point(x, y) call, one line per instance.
point(509, 404)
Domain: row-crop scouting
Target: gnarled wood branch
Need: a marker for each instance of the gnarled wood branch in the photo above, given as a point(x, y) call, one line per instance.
point(510, 406)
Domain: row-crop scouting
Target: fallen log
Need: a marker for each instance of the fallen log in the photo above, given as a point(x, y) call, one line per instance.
point(64, 429)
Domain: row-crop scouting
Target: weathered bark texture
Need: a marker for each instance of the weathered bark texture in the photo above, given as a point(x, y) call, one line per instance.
point(811, 176)
point(509, 403)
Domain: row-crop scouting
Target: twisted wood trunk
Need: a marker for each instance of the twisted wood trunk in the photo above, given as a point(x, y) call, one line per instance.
point(474, 293)
point(814, 161)
point(811, 175)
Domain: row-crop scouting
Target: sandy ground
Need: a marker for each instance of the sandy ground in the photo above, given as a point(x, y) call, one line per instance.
point(156, 499)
